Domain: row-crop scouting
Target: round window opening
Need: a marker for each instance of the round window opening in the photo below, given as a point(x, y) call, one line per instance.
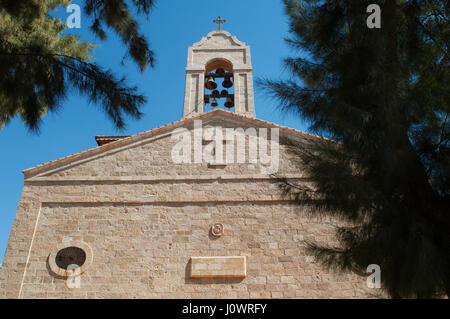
point(70, 256)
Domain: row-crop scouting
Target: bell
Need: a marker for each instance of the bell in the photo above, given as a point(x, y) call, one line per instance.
point(206, 99)
point(220, 71)
point(210, 83)
point(214, 103)
point(227, 82)
point(215, 93)
point(224, 92)
point(229, 103)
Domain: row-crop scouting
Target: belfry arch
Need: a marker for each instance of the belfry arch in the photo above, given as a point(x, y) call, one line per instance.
point(219, 69)
point(219, 56)
point(218, 63)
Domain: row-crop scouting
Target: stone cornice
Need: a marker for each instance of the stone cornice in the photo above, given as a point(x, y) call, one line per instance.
point(160, 179)
point(172, 203)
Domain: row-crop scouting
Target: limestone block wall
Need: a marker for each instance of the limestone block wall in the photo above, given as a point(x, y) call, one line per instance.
point(142, 250)
point(144, 218)
point(153, 158)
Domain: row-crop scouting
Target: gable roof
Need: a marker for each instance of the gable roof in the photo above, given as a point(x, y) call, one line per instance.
point(117, 142)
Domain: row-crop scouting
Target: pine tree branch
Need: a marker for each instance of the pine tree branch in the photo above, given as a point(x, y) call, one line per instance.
point(100, 86)
point(77, 59)
point(432, 38)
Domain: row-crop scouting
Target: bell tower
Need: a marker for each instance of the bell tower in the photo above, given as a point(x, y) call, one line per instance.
point(219, 73)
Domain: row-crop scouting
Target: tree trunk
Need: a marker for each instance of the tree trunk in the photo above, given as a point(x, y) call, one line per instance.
point(416, 182)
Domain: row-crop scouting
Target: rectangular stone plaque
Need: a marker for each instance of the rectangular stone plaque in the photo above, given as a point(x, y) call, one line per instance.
point(234, 266)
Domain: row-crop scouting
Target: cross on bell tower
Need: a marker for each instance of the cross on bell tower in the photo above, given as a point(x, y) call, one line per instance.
point(219, 21)
point(218, 56)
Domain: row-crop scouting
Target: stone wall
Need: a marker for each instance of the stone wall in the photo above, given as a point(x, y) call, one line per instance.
point(144, 218)
point(143, 251)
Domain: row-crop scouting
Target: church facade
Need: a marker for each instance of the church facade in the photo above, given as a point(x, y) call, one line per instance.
point(169, 213)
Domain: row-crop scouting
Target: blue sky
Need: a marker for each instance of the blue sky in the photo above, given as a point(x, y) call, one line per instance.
point(173, 27)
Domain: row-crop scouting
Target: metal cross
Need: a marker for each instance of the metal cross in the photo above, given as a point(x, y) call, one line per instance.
point(219, 21)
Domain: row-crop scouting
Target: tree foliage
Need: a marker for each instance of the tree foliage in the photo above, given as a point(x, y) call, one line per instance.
point(383, 94)
point(39, 64)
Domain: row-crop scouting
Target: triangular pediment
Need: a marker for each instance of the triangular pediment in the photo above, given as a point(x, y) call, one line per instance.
point(146, 151)
point(218, 39)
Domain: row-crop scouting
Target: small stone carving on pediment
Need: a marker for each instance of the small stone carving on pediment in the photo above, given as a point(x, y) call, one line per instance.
point(218, 39)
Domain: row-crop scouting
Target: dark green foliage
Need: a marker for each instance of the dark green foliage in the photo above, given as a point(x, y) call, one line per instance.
point(39, 65)
point(384, 95)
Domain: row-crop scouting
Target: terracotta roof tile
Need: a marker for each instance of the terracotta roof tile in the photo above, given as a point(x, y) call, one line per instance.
point(103, 139)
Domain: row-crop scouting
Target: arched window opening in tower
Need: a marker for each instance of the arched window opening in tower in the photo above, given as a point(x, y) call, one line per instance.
point(219, 72)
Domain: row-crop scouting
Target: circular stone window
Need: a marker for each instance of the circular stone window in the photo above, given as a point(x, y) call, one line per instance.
point(70, 253)
point(70, 256)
